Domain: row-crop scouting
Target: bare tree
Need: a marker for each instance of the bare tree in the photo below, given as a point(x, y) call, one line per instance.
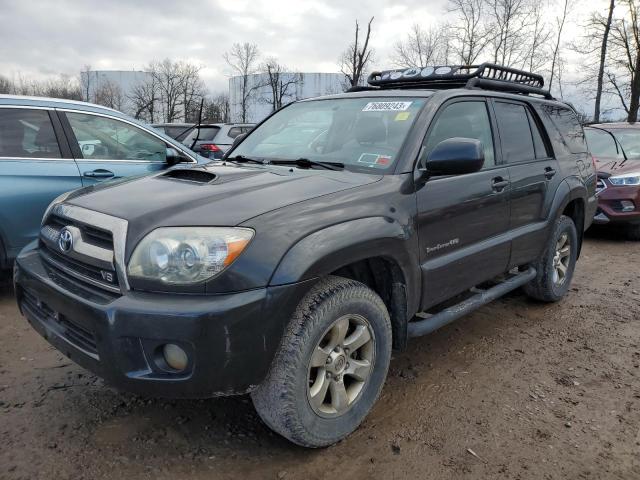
point(560, 22)
point(6, 86)
point(355, 60)
point(243, 60)
point(536, 53)
point(509, 24)
point(281, 83)
point(144, 98)
point(86, 82)
point(216, 109)
point(625, 56)
point(109, 94)
point(468, 32)
point(422, 47)
point(169, 82)
point(603, 58)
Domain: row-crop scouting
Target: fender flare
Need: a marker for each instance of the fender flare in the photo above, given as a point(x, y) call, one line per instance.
point(325, 251)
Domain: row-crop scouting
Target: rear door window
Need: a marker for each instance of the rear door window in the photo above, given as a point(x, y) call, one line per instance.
point(538, 142)
point(515, 132)
point(234, 132)
point(27, 133)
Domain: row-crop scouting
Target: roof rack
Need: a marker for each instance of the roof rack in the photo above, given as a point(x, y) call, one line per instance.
point(486, 76)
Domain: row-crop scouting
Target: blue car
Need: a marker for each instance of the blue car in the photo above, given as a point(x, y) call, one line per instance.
point(51, 146)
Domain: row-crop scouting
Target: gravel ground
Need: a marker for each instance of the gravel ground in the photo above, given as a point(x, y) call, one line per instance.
point(515, 390)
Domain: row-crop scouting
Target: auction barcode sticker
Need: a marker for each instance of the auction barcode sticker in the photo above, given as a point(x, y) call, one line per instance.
point(386, 106)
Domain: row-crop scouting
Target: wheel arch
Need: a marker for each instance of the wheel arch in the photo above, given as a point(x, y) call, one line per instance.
point(376, 251)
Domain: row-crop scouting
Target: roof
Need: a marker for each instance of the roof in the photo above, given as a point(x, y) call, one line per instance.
point(46, 101)
point(614, 125)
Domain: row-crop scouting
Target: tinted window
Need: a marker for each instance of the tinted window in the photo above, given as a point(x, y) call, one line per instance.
point(234, 132)
point(466, 120)
point(566, 121)
point(538, 142)
point(176, 131)
point(601, 143)
point(206, 133)
point(27, 133)
point(515, 133)
point(109, 139)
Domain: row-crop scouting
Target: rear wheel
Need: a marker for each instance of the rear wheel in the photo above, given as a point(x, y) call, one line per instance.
point(556, 265)
point(331, 365)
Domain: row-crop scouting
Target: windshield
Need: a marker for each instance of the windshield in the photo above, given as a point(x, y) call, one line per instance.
point(601, 143)
point(361, 133)
point(629, 138)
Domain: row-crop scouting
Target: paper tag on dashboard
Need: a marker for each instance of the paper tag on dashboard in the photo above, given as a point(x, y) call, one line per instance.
point(386, 106)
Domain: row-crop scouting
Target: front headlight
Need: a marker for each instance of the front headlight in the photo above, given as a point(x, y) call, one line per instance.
point(626, 179)
point(187, 255)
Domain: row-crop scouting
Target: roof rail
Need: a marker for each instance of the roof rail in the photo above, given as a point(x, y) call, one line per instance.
point(487, 76)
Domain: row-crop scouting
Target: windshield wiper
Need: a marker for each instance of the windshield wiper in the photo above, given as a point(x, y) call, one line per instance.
point(306, 163)
point(243, 159)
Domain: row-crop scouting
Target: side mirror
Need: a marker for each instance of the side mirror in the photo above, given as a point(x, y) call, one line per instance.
point(173, 156)
point(454, 156)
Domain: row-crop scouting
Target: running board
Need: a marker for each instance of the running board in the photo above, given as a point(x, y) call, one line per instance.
point(448, 315)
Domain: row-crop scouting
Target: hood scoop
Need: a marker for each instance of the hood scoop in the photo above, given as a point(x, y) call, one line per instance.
point(190, 175)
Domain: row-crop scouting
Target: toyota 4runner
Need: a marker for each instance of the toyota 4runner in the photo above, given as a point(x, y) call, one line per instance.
point(336, 230)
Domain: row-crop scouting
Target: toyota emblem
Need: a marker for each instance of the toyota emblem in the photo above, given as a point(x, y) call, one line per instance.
point(65, 242)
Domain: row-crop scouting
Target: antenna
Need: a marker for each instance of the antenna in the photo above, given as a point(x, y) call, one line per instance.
point(195, 140)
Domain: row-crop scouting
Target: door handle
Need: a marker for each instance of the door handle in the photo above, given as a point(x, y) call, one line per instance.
point(549, 173)
point(100, 173)
point(498, 184)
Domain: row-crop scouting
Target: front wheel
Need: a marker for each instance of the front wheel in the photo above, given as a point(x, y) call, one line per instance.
point(330, 367)
point(556, 265)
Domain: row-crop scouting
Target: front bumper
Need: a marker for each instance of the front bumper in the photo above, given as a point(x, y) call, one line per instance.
point(610, 206)
point(230, 339)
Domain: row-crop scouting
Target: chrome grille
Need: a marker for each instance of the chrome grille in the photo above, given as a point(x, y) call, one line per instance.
point(89, 255)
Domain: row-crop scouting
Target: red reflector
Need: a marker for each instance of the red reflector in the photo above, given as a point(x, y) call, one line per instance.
point(212, 147)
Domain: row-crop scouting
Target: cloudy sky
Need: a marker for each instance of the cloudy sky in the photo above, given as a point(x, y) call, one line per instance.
point(48, 37)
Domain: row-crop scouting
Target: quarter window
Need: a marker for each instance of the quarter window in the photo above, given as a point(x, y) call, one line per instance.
point(567, 122)
point(515, 133)
point(26, 133)
point(108, 139)
point(468, 119)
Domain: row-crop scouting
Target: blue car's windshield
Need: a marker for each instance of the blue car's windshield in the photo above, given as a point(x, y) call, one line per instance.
point(361, 133)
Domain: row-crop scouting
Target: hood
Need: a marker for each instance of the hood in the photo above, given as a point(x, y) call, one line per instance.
point(216, 194)
point(616, 166)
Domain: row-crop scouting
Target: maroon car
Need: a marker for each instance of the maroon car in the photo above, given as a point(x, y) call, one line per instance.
point(616, 150)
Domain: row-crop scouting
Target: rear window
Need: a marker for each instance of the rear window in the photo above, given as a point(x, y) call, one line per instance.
point(176, 131)
point(567, 122)
point(206, 134)
point(515, 132)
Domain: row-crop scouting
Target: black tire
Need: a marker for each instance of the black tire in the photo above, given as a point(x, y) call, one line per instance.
point(282, 399)
point(544, 287)
point(633, 232)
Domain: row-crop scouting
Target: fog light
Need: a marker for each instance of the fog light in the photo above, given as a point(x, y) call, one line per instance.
point(627, 206)
point(175, 356)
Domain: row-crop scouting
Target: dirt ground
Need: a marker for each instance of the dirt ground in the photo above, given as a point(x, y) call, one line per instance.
point(516, 390)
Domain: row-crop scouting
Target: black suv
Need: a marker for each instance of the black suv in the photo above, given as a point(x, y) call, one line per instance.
point(291, 268)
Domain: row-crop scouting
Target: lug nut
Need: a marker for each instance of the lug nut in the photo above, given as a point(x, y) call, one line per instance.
point(329, 360)
point(346, 351)
point(328, 375)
